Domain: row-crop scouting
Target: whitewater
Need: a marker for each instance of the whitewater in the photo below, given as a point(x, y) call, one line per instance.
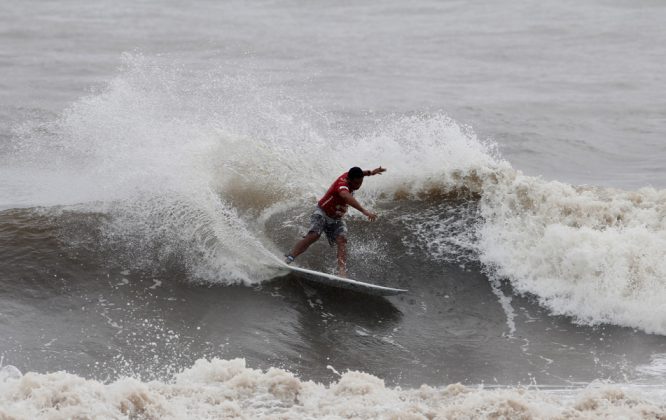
point(228, 389)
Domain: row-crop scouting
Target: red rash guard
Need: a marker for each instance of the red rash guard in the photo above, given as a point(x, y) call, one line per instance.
point(332, 203)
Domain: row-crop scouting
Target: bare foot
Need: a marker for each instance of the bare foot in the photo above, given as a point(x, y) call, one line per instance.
point(342, 273)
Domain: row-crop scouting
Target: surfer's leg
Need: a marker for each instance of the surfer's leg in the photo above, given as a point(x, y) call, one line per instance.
point(317, 224)
point(304, 243)
point(341, 240)
point(339, 235)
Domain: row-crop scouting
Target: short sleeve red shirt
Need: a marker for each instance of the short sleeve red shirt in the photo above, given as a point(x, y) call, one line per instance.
point(332, 203)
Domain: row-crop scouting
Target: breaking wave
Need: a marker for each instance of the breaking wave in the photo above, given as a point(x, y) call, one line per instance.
point(195, 167)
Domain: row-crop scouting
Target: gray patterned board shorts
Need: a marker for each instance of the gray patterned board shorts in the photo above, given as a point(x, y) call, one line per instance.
point(320, 222)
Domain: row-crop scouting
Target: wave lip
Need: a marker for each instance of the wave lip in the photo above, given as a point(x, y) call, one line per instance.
point(228, 389)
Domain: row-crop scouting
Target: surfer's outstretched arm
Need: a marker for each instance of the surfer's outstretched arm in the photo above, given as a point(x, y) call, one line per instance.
point(349, 199)
point(376, 171)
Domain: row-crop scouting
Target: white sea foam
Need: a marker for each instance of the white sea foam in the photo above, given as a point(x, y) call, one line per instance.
point(598, 255)
point(228, 389)
point(595, 254)
point(656, 368)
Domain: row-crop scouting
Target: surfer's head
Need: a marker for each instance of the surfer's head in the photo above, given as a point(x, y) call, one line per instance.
point(355, 177)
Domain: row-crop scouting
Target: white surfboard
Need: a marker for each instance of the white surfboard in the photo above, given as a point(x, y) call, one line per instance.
point(343, 283)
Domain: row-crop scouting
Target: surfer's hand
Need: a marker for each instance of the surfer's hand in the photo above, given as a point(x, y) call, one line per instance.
point(371, 216)
point(378, 171)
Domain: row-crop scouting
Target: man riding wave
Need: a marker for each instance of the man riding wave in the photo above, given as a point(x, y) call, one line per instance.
point(328, 214)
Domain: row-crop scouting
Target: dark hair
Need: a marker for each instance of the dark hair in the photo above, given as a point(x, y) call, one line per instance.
point(355, 173)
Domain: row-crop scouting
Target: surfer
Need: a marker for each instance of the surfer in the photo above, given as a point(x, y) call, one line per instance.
point(328, 214)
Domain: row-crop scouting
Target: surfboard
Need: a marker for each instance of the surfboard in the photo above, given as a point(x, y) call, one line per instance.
point(343, 283)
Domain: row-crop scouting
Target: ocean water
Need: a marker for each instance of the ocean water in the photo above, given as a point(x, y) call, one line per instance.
point(154, 157)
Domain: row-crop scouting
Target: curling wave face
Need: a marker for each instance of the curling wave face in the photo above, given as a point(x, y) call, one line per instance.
point(194, 169)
